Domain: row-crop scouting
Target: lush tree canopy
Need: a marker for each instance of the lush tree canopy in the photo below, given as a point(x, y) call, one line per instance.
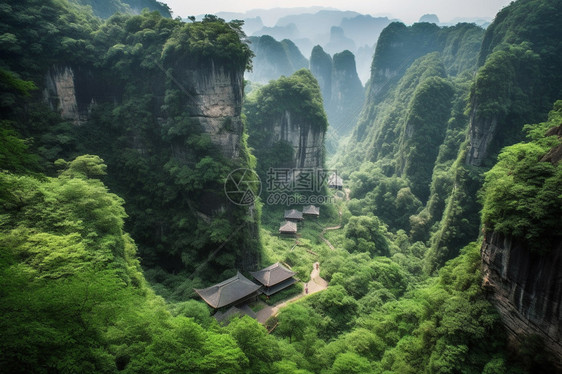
point(522, 192)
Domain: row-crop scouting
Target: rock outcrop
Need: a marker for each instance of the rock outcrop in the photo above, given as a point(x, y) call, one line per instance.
point(481, 134)
point(526, 289)
point(274, 58)
point(60, 94)
point(215, 100)
point(287, 123)
point(341, 88)
point(306, 140)
point(321, 67)
point(347, 94)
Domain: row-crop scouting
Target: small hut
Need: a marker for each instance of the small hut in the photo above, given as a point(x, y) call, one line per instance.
point(293, 215)
point(335, 181)
point(311, 210)
point(230, 292)
point(288, 227)
point(274, 278)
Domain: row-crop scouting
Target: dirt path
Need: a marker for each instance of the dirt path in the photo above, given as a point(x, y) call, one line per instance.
point(321, 235)
point(316, 284)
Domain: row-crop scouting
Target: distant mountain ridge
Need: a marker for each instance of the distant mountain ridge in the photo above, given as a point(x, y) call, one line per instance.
point(274, 58)
point(332, 29)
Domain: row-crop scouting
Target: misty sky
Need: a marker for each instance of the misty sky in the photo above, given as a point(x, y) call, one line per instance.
point(406, 10)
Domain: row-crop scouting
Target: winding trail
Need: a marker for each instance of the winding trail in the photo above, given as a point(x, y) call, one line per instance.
point(316, 284)
point(321, 235)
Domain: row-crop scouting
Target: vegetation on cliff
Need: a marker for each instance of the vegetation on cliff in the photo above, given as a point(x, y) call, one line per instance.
point(399, 141)
point(522, 193)
point(403, 297)
point(295, 99)
point(517, 83)
point(159, 157)
point(472, 117)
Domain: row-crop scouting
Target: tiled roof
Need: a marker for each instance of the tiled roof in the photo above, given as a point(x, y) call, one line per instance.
point(228, 291)
point(311, 209)
point(293, 214)
point(273, 274)
point(288, 227)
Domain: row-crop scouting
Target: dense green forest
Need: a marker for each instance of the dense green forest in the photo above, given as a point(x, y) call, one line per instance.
point(113, 207)
point(522, 197)
point(159, 158)
point(514, 85)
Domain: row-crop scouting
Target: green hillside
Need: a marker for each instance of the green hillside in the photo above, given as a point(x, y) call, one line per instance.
point(124, 139)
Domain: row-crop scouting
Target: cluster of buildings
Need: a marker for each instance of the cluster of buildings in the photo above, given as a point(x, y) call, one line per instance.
point(289, 226)
point(233, 295)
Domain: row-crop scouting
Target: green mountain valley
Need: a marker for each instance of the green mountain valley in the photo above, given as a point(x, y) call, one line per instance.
point(177, 196)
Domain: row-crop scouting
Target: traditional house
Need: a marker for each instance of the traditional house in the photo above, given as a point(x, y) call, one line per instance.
point(274, 278)
point(293, 215)
point(288, 227)
point(335, 181)
point(230, 292)
point(311, 210)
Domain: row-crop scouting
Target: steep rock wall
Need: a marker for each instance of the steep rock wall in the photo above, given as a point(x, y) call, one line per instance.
point(214, 98)
point(60, 93)
point(307, 142)
point(342, 91)
point(207, 97)
point(526, 289)
point(481, 134)
point(321, 68)
point(347, 94)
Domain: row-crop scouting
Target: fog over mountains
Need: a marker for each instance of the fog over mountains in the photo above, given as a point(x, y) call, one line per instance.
point(334, 30)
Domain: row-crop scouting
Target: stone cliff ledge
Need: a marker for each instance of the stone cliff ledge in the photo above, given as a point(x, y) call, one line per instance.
point(526, 289)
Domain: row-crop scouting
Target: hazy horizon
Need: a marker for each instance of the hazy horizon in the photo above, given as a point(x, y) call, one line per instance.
point(408, 11)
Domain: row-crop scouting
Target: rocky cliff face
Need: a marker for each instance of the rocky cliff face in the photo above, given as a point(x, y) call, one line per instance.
point(287, 123)
point(213, 98)
point(321, 68)
point(347, 94)
point(481, 133)
point(60, 94)
point(526, 288)
point(274, 58)
point(307, 142)
point(342, 91)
